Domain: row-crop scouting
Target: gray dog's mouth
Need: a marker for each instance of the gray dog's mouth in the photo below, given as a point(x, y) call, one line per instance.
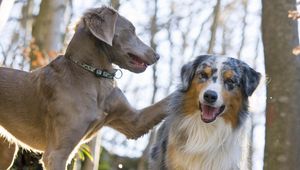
point(210, 113)
point(137, 63)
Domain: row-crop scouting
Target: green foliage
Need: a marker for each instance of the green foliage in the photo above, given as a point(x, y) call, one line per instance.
point(83, 152)
point(104, 166)
point(105, 160)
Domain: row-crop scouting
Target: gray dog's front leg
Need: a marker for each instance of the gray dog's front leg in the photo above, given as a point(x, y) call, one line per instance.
point(129, 121)
point(7, 153)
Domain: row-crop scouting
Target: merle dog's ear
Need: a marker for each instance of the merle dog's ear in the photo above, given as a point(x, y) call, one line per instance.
point(187, 74)
point(250, 80)
point(101, 22)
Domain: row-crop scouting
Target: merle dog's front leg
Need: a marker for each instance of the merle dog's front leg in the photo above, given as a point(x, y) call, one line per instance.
point(129, 121)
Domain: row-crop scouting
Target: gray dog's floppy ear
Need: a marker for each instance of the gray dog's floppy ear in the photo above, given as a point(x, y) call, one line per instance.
point(187, 74)
point(250, 80)
point(101, 22)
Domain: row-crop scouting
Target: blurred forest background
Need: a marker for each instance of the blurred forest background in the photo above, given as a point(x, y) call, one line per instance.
point(263, 33)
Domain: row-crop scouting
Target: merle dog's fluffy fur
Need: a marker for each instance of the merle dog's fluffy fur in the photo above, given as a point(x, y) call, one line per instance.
point(173, 148)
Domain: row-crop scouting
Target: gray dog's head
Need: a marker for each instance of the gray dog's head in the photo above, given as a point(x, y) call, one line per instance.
point(117, 34)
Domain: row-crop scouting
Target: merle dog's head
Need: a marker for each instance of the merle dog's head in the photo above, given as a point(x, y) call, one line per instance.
point(218, 86)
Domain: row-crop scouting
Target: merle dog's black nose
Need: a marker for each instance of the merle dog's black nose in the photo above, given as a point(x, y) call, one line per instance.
point(157, 56)
point(210, 96)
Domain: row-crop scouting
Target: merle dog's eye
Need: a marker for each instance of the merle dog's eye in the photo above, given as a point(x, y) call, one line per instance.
point(230, 84)
point(229, 81)
point(203, 76)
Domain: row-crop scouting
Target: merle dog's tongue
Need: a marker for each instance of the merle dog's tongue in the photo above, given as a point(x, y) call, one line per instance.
point(209, 113)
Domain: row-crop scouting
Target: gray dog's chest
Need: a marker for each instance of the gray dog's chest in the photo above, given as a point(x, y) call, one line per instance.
point(98, 116)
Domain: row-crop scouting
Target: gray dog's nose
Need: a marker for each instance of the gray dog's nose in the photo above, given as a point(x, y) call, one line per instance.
point(210, 96)
point(157, 56)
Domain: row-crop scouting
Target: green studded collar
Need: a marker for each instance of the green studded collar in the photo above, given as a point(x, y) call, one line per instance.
point(98, 72)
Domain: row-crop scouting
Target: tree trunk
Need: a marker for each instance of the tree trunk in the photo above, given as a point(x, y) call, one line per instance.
point(280, 36)
point(46, 33)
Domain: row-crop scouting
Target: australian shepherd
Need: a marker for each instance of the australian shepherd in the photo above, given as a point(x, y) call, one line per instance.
point(205, 126)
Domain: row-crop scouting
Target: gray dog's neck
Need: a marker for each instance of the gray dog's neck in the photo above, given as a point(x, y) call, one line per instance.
point(86, 48)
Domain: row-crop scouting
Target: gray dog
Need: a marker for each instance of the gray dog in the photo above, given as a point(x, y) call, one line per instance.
point(56, 108)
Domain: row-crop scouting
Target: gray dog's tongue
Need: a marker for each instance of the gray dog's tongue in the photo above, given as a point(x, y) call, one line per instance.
point(209, 113)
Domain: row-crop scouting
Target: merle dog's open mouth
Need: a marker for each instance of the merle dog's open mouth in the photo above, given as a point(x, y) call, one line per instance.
point(137, 62)
point(210, 113)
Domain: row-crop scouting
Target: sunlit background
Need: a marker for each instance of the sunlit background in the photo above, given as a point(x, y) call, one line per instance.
point(178, 30)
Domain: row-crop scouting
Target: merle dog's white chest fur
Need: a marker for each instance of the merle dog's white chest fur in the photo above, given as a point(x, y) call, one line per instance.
point(211, 146)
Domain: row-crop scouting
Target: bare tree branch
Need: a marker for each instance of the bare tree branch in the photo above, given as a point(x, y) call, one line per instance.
point(153, 31)
point(171, 60)
point(3, 54)
point(199, 34)
point(214, 26)
point(244, 23)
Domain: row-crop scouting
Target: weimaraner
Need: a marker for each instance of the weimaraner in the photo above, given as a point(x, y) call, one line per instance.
point(7, 152)
point(56, 108)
